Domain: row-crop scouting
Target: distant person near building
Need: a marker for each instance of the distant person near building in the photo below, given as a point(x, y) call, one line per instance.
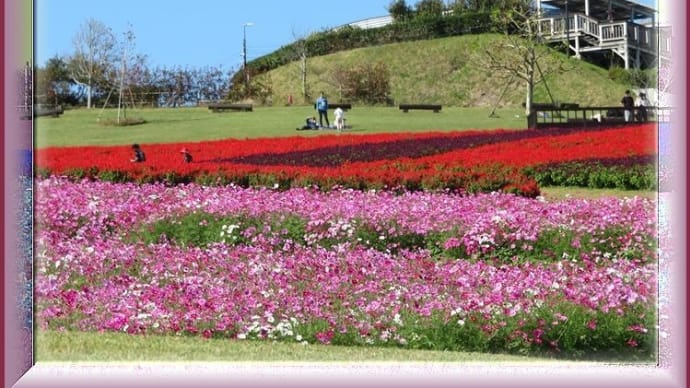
point(642, 103)
point(628, 106)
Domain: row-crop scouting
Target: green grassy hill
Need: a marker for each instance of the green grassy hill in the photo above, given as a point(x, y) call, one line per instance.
point(448, 71)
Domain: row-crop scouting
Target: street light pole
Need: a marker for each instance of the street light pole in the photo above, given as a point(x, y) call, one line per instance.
point(244, 56)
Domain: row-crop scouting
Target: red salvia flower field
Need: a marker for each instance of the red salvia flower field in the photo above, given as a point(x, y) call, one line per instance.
point(485, 160)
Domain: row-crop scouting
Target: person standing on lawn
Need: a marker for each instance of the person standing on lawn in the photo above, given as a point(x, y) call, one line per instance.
point(322, 107)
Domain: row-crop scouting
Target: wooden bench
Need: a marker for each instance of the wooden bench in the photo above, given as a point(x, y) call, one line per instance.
point(406, 107)
point(341, 106)
point(41, 110)
point(221, 107)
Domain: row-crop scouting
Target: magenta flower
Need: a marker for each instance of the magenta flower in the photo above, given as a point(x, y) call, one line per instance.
point(325, 337)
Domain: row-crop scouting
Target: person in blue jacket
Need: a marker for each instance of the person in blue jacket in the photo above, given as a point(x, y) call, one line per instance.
point(322, 107)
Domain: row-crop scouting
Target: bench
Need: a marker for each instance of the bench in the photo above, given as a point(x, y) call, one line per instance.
point(405, 107)
point(41, 110)
point(221, 107)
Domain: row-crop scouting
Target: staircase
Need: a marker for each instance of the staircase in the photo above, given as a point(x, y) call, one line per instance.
point(634, 43)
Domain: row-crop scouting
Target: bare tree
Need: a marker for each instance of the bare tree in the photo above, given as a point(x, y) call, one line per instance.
point(127, 46)
point(521, 53)
point(94, 54)
point(300, 52)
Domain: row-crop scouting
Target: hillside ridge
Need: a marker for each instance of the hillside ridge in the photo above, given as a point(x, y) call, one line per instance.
point(444, 71)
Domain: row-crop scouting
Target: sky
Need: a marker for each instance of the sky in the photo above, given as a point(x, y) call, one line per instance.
point(198, 33)
point(194, 33)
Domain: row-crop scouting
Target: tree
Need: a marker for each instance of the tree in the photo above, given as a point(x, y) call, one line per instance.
point(521, 53)
point(400, 11)
point(301, 46)
point(211, 83)
point(54, 84)
point(94, 55)
point(127, 46)
point(367, 83)
point(299, 51)
point(430, 8)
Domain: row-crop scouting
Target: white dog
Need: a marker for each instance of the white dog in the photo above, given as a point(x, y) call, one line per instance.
point(339, 118)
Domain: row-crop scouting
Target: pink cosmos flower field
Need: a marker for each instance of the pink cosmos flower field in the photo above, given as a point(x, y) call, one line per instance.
point(426, 270)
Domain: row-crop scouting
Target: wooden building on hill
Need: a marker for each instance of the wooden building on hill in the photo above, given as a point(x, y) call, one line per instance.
point(593, 28)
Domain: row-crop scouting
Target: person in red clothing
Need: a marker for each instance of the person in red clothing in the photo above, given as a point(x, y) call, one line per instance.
point(186, 156)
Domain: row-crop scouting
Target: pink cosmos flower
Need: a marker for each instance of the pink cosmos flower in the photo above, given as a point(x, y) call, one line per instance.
point(451, 243)
point(325, 337)
point(637, 328)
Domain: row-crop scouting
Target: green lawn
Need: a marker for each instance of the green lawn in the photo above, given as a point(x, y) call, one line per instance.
point(556, 193)
point(52, 346)
point(165, 125)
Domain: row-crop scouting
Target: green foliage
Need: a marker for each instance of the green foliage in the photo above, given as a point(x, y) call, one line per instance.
point(400, 11)
point(430, 7)
point(200, 229)
point(257, 90)
point(596, 175)
point(113, 176)
point(366, 83)
point(53, 84)
point(551, 245)
point(634, 78)
point(561, 331)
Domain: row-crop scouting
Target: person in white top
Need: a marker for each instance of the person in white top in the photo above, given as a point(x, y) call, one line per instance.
point(642, 103)
point(339, 118)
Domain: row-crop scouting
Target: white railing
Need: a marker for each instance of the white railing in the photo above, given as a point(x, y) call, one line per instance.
point(612, 32)
point(554, 28)
point(588, 25)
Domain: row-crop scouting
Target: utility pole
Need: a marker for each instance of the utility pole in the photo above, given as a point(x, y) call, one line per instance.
point(244, 56)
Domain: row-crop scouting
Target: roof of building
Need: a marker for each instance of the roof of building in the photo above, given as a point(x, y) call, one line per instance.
point(374, 22)
point(599, 9)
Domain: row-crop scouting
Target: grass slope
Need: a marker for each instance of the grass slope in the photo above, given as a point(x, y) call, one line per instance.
point(448, 71)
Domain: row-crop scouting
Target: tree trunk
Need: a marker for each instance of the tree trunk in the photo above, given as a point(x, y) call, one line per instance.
point(304, 76)
point(529, 92)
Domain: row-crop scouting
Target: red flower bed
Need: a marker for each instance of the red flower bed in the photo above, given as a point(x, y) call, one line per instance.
point(471, 160)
